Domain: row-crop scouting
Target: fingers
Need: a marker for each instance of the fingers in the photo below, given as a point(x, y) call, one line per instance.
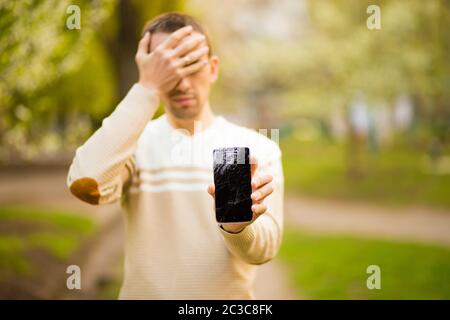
point(175, 38)
point(192, 57)
point(193, 68)
point(144, 44)
point(262, 192)
point(253, 164)
point(261, 180)
point(188, 44)
point(259, 209)
point(212, 189)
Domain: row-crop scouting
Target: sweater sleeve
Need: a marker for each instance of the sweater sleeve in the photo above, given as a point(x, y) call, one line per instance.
point(105, 162)
point(259, 242)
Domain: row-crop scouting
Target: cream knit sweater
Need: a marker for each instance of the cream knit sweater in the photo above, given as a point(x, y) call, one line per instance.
point(174, 247)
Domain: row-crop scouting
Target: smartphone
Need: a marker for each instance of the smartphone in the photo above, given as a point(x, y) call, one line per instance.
point(232, 179)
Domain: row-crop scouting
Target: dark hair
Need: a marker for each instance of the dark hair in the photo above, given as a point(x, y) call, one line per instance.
point(172, 21)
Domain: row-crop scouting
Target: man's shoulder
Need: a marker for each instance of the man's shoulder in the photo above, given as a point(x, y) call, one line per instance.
point(157, 123)
point(154, 128)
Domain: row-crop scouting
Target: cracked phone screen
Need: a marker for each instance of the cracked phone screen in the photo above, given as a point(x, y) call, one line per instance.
point(232, 179)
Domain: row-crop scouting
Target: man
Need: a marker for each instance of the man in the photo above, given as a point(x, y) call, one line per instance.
point(162, 172)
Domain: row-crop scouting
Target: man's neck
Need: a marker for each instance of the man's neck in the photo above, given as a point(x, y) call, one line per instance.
point(193, 125)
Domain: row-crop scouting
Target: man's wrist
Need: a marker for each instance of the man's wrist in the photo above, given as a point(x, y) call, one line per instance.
point(231, 230)
point(148, 87)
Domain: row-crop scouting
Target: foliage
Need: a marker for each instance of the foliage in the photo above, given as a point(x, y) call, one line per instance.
point(394, 176)
point(46, 72)
point(331, 55)
point(334, 267)
point(58, 84)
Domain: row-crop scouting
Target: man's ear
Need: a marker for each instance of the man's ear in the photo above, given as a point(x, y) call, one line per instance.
point(214, 63)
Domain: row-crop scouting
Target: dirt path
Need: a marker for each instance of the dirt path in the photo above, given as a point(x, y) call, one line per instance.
point(99, 262)
point(47, 189)
point(103, 253)
point(324, 216)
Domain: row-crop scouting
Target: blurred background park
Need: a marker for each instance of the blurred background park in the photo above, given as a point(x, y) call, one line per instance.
point(364, 119)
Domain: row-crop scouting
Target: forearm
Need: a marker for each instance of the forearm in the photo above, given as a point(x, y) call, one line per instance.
point(101, 162)
point(259, 242)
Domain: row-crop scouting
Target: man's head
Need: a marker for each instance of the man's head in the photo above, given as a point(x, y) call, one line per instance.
point(189, 97)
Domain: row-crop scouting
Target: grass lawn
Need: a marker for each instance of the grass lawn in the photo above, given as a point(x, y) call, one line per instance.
point(334, 267)
point(392, 177)
point(58, 233)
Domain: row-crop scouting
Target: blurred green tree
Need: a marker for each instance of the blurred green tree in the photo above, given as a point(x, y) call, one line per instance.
point(46, 73)
point(407, 56)
point(57, 84)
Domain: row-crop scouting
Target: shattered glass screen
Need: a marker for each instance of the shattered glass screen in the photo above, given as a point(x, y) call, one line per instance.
point(232, 178)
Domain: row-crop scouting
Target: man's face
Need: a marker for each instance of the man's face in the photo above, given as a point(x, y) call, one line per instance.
point(188, 98)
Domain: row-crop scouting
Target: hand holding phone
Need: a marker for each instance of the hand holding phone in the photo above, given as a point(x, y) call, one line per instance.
point(261, 185)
